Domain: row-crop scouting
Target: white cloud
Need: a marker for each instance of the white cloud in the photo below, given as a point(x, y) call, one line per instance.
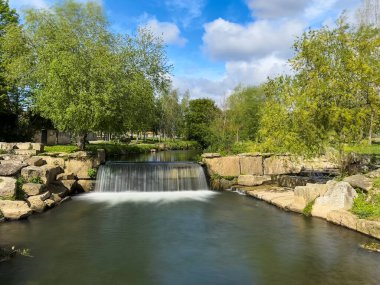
point(246, 73)
point(224, 40)
point(277, 8)
point(169, 32)
point(22, 4)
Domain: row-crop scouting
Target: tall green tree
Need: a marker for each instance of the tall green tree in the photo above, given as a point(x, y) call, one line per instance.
point(200, 115)
point(84, 77)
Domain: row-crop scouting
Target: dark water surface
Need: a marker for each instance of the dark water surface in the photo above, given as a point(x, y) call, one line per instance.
point(208, 239)
point(182, 237)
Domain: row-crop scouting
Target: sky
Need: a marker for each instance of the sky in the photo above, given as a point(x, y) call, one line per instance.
point(216, 45)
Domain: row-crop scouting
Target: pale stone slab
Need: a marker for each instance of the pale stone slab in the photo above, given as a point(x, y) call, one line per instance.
point(14, 210)
point(252, 165)
point(224, 166)
point(7, 187)
point(253, 180)
point(276, 165)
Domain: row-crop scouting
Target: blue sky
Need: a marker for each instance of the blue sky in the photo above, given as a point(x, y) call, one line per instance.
point(214, 45)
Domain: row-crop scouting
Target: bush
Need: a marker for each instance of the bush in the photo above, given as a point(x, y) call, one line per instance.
point(366, 208)
point(92, 173)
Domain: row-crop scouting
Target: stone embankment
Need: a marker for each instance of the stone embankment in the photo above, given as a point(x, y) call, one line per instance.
point(261, 176)
point(31, 182)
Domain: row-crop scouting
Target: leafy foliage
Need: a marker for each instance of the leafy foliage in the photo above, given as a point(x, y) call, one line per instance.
point(366, 208)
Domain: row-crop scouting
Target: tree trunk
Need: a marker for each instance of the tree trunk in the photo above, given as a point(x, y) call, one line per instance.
point(82, 141)
point(370, 130)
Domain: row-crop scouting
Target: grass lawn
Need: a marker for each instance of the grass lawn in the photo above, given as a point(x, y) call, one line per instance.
point(363, 149)
point(114, 148)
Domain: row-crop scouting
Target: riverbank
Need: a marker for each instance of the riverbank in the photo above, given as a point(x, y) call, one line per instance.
point(115, 148)
point(280, 180)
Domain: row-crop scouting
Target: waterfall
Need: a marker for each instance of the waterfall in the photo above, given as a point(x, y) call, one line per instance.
point(150, 177)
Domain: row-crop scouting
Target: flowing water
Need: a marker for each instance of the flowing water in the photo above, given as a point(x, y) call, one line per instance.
point(181, 237)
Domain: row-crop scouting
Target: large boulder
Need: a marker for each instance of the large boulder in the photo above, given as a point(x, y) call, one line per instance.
point(53, 161)
point(32, 189)
point(86, 185)
point(223, 166)
point(10, 168)
point(7, 187)
point(35, 161)
point(14, 210)
point(359, 181)
point(66, 176)
point(251, 165)
point(80, 167)
point(47, 173)
point(339, 196)
point(276, 165)
point(36, 203)
point(253, 180)
point(303, 195)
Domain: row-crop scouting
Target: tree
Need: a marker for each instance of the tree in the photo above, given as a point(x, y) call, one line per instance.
point(84, 77)
point(244, 111)
point(170, 118)
point(200, 115)
point(369, 13)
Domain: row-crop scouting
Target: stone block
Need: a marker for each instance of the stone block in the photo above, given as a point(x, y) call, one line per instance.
point(276, 165)
point(339, 196)
point(7, 187)
point(306, 194)
point(252, 165)
point(224, 166)
point(47, 173)
point(32, 189)
point(36, 204)
point(10, 168)
point(86, 185)
point(35, 161)
point(54, 161)
point(79, 167)
point(359, 181)
point(66, 176)
point(14, 210)
point(253, 180)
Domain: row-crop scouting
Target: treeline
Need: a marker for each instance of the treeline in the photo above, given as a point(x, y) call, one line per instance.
point(65, 66)
point(332, 98)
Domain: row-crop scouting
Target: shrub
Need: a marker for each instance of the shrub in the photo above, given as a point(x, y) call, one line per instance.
point(92, 173)
point(308, 208)
point(366, 208)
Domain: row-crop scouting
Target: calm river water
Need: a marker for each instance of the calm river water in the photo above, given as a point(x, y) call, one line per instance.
point(199, 237)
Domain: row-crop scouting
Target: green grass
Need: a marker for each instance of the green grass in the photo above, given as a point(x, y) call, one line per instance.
point(367, 209)
point(363, 149)
point(115, 148)
point(308, 208)
point(61, 148)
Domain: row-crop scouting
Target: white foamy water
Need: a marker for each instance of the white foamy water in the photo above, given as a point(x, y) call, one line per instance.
point(114, 198)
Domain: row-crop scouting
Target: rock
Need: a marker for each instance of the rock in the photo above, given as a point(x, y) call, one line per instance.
point(278, 197)
point(66, 176)
point(65, 199)
point(50, 203)
point(306, 194)
point(13, 158)
point(292, 181)
point(374, 173)
point(343, 218)
point(252, 165)
point(26, 152)
point(224, 166)
point(101, 156)
point(35, 161)
point(32, 189)
point(14, 210)
point(10, 169)
point(47, 173)
point(53, 161)
point(36, 204)
point(79, 167)
point(253, 180)
point(276, 165)
point(86, 185)
point(359, 181)
point(58, 189)
point(56, 198)
point(45, 195)
point(339, 196)
point(7, 187)
point(70, 185)
point(210, 155)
